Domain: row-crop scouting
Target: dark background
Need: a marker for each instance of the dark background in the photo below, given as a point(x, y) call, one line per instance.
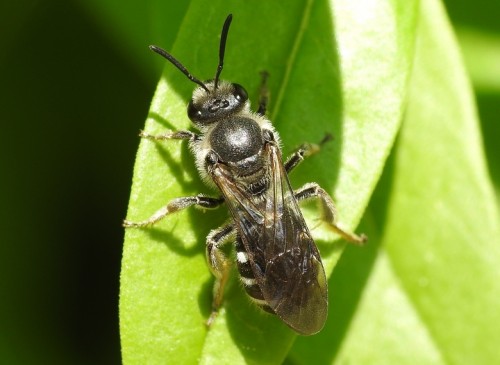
point(72, 100)
point(71, 107)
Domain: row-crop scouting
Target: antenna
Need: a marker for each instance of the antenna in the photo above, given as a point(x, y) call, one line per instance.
point(184, 70)
point(222, 48)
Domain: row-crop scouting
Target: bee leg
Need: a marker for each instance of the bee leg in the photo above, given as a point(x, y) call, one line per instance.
point(192, 137)
point(174, 206)
point(305, 150)
point(264, 93)
point(219, 264)
point(313, 190)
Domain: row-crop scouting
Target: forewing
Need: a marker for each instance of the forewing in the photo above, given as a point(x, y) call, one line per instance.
point(295, 284)
point(282, 253)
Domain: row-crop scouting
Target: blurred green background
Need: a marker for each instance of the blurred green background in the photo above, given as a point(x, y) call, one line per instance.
point(76, 78)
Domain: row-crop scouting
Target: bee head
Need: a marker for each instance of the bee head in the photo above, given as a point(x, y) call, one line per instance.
point(211, 100)
point(218, 102)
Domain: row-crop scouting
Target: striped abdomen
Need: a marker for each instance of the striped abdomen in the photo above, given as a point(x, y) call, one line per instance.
point(248, 278)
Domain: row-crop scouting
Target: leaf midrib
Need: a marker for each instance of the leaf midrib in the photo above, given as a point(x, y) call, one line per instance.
point(306, 15)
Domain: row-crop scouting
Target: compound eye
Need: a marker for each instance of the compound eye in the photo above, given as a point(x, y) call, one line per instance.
point(193, 112)
point(240, 93)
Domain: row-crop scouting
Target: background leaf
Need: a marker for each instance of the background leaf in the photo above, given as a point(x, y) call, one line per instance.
point(133, 24)
point(452, 239)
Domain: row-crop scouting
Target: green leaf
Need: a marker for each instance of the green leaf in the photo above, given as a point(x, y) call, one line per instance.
point(335, 67)
point(432, 295)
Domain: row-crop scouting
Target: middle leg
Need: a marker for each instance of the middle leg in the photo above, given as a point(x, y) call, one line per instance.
point(174, 206)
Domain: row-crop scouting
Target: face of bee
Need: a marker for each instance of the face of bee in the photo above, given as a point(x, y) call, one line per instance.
point(216, 102)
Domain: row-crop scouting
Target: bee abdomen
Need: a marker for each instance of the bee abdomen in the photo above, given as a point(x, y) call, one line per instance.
point(248, 279)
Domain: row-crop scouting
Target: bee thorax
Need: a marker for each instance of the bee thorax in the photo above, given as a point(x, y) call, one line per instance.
point(236, 139)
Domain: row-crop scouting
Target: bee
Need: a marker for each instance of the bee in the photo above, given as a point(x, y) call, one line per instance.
point(238, 153)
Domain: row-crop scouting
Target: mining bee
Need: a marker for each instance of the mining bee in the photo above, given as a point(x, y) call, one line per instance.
point(238, 153)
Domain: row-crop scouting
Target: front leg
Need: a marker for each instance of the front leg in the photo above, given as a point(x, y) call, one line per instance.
point(304, 151)
point(174, 206)
point(313, 190)
point(187, 135)
point(178, 203)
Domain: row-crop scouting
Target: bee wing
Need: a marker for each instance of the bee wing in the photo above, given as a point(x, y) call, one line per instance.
point(281, 251)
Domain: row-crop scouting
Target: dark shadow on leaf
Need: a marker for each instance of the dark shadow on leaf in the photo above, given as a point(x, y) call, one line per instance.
point(205, 298)
point(349, 278)
point(173, 242)
point(250, 326)
point(329, 248)
point(186, 166)
point(165, 123)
